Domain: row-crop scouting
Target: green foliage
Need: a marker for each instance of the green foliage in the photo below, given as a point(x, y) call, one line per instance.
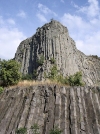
point(45, 75)
point(1, 90)
point(21, 131)
point(35, 74)
point(56, 130)
point(73, 80)
point(40, 61)
point(35, 129)
point(76, 79)
point(53, 72)
point(62, 80)
point(52, 61)
point(9, 72)
point(27, 77)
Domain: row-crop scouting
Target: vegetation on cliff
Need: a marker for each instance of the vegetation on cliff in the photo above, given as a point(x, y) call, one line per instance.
point(9, 72)
point(72, 80)
point(35, 130)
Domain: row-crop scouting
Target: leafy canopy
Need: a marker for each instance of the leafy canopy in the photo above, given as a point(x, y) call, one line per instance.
point(9, 72)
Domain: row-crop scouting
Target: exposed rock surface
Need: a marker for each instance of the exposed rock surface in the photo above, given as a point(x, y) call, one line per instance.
point(53, 41)
point(76, 110)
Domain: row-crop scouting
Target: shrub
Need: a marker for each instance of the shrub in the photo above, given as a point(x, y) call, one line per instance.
point(27, 77)
point(35, 74)
point(9, 72)
point(40, 61)
point(35, 129)
point(76, 79)
point(53, 73)
point(56, 130)
point(21, 131)
point(1, 90)
point(60, 78)
point(52, 61)
point(45, 75)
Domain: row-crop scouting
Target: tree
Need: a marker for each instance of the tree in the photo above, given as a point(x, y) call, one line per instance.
point(9, 72)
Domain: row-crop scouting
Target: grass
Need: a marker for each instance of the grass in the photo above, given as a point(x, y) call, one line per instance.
point(26, 83)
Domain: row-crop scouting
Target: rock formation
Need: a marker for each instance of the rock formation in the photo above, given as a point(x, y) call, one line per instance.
point(53, 41)
point(75, 110)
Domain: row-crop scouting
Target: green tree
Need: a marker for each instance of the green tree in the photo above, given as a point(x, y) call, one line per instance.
point(35, 129)
point(9, 72)
point(56, 130)
point(21, 131)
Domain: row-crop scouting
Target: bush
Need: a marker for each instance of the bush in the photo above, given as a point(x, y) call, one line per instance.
point(73, 80)
point(9, 72)
point(53, 73)
point(35, 74)
point(60, 79)
point(52, 61)
point(40, 61)
point(76, 79)
point(56, 130)
point(21, 131)
point(35, 129)
point(1, 90)
point(27, 77)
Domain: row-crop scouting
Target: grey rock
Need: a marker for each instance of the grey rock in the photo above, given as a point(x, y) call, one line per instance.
point(72, 109)
point(53, 41)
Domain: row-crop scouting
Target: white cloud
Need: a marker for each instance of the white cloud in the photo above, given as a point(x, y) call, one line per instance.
point(75, 23)
point(74, 5)
point(92, 10)
point(45, 10)
point(85, 33)
point(41, 18)
point(9, 39)
point(22, 14)
point(11, 21)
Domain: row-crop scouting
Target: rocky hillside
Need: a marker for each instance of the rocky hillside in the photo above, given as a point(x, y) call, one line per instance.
point(52, 42)
point(76, 110)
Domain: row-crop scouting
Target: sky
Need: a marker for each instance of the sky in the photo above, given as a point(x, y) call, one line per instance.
point(19, 20)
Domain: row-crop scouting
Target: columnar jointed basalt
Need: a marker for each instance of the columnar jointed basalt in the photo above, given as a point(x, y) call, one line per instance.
point(75, 110)
point(53, 41)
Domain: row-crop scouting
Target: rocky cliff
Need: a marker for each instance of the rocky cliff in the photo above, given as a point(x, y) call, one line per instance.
point(52, 41)
point(76, 110)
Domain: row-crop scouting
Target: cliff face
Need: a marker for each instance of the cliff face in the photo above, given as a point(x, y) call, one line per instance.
point(76, 110)
point(53, 41)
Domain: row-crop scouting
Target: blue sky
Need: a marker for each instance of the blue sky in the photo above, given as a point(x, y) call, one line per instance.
point(19, 20)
